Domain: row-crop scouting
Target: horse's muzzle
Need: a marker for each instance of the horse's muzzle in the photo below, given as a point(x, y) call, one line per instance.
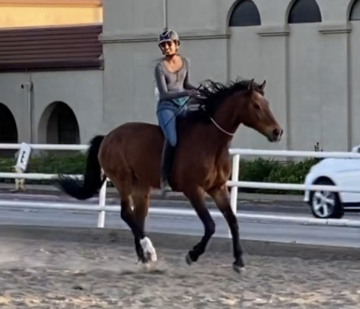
point(275, 135)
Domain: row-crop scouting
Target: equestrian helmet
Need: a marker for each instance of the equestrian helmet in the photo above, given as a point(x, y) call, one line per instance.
point(169, 36)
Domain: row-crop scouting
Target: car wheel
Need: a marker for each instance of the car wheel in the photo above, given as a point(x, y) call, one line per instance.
point(326, 204)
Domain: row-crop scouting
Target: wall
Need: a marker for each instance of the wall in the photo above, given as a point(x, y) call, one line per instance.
point(353, 85)
point(130, 31)
point(80, 90)
point(23, 15)
point(311, 68)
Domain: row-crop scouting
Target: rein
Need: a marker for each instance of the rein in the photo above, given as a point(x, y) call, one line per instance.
point(220, 128)
point(180, 109)
point(212, 119)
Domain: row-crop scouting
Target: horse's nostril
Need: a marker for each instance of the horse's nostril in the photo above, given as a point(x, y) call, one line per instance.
point(276, 132)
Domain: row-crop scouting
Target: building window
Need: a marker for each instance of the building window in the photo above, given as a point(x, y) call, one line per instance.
point(62, 126)
point(245, 13)
point(304, 11)
point(355, 11)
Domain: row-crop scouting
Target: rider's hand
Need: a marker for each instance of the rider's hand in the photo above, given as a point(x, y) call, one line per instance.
point(193, 93)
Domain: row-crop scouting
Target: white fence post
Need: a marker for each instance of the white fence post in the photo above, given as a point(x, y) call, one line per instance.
point(235, 177)
point(102, 202)
point(22, 160)
point(234, 190)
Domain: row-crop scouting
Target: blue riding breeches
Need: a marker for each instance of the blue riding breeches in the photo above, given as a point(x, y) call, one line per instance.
point(167, 112)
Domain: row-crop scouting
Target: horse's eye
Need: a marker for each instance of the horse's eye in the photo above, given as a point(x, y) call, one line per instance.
point(257, 106)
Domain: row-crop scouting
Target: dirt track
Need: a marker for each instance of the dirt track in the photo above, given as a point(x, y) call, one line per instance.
point(51, 274)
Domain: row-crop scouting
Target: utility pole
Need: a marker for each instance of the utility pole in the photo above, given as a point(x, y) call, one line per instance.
point(165, 12)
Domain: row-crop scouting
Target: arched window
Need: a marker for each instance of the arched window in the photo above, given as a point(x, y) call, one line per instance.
point(245, 13)
point(304, 11)
point(8, 130)
point(58, 125)
point(355, 11)
point(8, 127)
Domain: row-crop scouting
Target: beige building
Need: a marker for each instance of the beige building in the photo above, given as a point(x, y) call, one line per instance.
point(49, 53)
point(307, 50)
point(29, 13)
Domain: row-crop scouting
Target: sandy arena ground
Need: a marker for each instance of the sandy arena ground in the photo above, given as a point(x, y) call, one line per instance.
point(57, 275)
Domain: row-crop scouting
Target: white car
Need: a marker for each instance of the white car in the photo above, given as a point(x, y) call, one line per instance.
point(336, 172)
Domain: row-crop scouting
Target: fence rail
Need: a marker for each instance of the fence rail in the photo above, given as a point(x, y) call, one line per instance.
point(46, 147)
point(234, 183)
point(230, 183)
point(182, 212)
point(295, 153)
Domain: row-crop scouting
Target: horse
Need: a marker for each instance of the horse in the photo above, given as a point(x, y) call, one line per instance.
point(129, 156)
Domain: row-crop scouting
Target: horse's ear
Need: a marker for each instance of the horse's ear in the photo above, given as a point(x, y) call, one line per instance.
point(262, 86)
point(251, 86)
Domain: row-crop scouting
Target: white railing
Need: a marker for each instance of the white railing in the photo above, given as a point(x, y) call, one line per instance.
point(46, 147)
point(234, 183)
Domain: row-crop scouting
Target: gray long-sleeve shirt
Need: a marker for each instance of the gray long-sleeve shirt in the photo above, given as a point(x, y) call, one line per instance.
point(173, 85)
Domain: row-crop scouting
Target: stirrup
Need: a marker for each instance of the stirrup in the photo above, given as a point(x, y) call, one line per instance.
point(165, 188)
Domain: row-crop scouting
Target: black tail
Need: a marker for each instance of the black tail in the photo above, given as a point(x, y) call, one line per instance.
point(92, 181)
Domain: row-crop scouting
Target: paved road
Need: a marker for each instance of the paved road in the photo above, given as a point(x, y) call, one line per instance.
point(250, 229)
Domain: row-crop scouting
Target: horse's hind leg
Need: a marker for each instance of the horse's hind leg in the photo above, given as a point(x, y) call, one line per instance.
point(197, 200)
point(221, 198)
point(127, 214)
point(141, 208)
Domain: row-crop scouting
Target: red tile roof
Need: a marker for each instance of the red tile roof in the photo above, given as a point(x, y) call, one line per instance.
point(50, 48)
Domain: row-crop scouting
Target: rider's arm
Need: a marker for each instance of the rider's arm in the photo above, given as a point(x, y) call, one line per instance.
point(164, 93)
point(187, 84)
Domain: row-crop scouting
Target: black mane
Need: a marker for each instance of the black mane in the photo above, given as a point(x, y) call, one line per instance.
point(213, 95)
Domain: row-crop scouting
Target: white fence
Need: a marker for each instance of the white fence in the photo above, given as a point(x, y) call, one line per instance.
point(234, 183)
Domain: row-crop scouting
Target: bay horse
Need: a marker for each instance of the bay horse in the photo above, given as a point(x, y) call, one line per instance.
point(130, 155)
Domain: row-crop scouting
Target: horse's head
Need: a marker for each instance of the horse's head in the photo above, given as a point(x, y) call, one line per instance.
point(242, 101)
point(256, 114)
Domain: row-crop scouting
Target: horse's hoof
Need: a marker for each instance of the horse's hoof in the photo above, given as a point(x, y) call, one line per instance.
point(151, 257)
point(188, 259)
point(239, 269)
point(143, 260)
point(148, 266)
point(148, 249)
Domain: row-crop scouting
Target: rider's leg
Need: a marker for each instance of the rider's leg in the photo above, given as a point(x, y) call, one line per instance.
point(167, 121)
point(166, 163)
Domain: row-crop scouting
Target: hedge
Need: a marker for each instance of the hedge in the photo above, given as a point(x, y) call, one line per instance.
point(259, 170)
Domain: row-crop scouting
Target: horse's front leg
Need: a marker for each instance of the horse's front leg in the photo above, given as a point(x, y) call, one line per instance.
point(196, 198)
point(221, 198)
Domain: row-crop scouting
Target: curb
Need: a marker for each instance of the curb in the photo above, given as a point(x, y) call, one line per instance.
point(183, 243)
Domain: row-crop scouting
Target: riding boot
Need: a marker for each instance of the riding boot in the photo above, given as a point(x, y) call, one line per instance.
point(166, 162)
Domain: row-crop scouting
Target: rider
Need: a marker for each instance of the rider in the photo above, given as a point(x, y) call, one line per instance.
point(173, 82)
